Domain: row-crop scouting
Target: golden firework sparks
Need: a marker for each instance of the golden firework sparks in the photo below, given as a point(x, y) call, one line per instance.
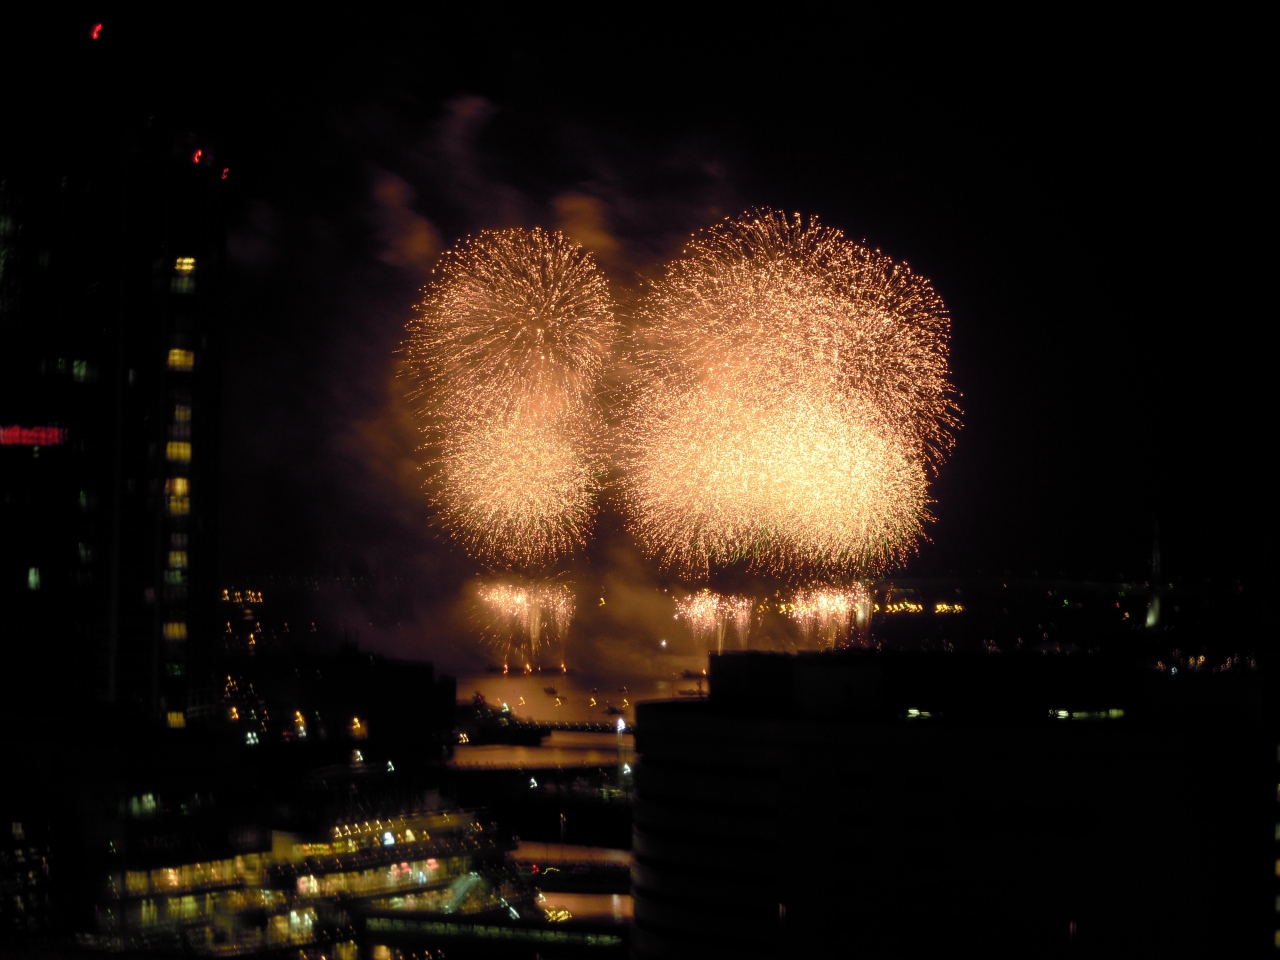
point(709, 614)
point(508, 349)
point(518, 615)
point(827, 615)
point(795, 398)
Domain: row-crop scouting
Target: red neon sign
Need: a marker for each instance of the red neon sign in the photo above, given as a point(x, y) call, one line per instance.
point(16, 436)
point(97, 31)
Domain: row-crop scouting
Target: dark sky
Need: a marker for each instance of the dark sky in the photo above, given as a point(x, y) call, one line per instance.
point(1086, 196)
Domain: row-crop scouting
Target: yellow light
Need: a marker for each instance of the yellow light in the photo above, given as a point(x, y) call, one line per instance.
point(178, 451)
point(181, 359)
point(184, 265)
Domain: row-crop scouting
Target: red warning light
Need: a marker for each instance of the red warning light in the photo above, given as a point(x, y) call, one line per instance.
point(96, 32)
point(195, 157)
point(535, 868)
point(225, 171)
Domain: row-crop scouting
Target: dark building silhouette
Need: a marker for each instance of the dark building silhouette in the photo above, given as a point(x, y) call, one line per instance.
point(111, 250)
point(906, 805)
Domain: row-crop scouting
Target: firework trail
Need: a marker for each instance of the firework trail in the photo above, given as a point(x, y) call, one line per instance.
point(793, 402)
point(507, 349)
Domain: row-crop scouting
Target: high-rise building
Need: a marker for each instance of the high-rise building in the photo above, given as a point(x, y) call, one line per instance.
point(111, 251)
point(911, 805)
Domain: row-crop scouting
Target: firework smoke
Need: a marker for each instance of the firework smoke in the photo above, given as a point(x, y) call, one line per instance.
point(794, 400)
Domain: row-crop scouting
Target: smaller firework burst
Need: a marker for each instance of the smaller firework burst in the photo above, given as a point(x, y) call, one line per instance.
point(518, 616)
point(709, 615)
point(830, 616)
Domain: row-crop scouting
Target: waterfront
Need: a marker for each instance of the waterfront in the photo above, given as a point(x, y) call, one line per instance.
point(577, 698)
point(562, 748)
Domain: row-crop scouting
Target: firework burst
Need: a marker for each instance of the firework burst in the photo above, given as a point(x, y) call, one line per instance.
point(518, 616)
point(709, 615)
point(794, 402)
point(828, 615)
point(507, 349)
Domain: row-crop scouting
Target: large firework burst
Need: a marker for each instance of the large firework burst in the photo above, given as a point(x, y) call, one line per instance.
point(507, 348)
point(794, 399)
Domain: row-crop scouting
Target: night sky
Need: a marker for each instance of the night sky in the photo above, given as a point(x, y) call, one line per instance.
point(1087, 197)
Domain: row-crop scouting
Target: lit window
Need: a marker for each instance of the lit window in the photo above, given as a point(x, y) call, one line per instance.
point(173, 578)
point(181, 413)
point(177, 719)
point(178, 451)
point(177, 558)
point(181, 359)
point(179, 506)
point(33, 578)
point(86, 552)
point(184, 275)
point(175, 630)
point(79, 370)
point(179, 485)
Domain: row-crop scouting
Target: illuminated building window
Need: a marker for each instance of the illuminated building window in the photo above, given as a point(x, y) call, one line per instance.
point(177, 558)
point(181, 359)
point(177, 719)
point(181, 413)
point(184, 275)
point(179, 506)
point(33, 578)
point(178, 451)
point(79, 370)
point(173, 578)
point(86, 552)
point(177, 485)
point(175, 630)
